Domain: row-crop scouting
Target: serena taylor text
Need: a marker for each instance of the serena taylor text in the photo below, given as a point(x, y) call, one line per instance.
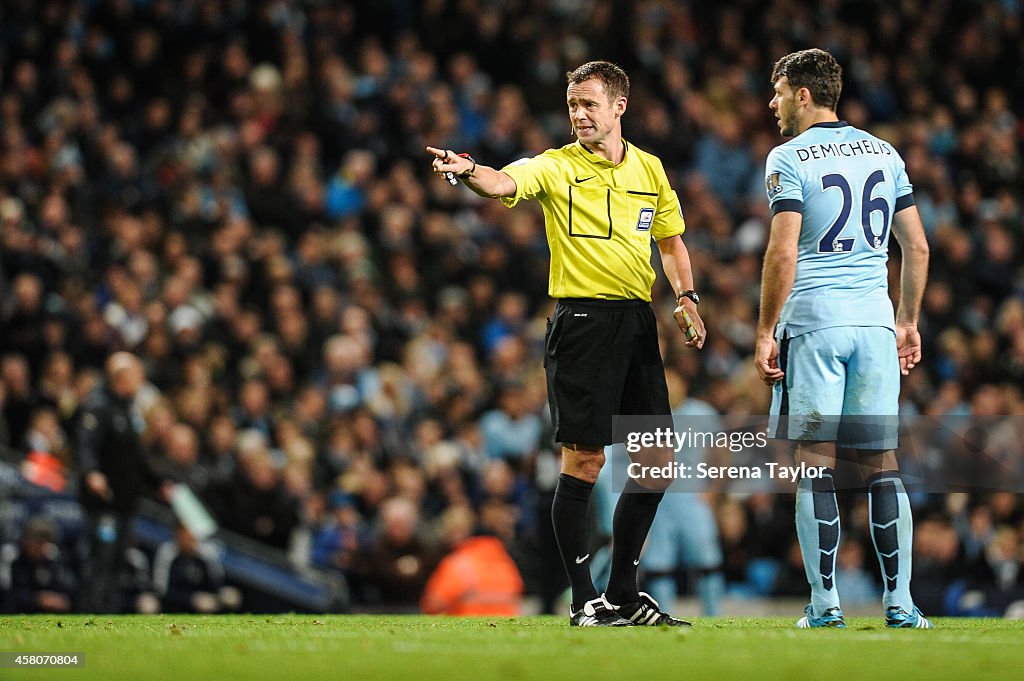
point(702, 471)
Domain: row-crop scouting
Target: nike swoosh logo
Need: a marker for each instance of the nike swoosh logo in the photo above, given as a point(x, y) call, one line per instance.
point(578, 180)
point(636, 562)
point(579, 561)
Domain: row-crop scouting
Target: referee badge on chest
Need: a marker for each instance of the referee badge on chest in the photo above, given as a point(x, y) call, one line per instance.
point(646, 219)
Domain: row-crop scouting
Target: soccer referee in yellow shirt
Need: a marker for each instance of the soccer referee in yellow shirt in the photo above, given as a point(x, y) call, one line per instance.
point(603, 200)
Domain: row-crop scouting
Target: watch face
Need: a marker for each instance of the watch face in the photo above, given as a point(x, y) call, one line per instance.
point(692, 295)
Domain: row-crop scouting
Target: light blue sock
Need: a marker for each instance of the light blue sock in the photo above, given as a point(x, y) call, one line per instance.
point(892, 533)
point(817, 528)
point(709, 586)
point(662, 588)
point(710, 589)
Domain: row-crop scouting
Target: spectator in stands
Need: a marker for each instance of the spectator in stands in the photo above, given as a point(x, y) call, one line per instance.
point(219, 449)
point(511, 431)
point(399, 561)
point(253, 409)
point(339, 539)
point(5, 431)
point(938, 563)
point(254, 502)
point(45, 434)
point(178, 461)
point(19, 396)
point(23, 316)
point(37, 578)
point(188, 576)
point(477, 577)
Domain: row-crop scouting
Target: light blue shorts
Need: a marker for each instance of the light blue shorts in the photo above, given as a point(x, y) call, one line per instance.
point(842, 385)
point(684, 535)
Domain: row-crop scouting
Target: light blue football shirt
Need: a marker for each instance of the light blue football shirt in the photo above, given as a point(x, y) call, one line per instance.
point(847, 184)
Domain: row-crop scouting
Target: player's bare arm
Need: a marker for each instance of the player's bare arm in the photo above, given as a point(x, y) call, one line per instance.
point(675, 261)
point(776, 281)
point(483, 180)
point(909, 232)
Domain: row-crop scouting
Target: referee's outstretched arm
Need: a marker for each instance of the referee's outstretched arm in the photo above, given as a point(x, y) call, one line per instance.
point(483, 180)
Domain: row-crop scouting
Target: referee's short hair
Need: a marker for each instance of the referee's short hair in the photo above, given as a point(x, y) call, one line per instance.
point(814, 69)
point(616, 82)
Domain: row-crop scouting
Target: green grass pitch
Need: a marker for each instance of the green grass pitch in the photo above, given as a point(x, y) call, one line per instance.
point(344, 648)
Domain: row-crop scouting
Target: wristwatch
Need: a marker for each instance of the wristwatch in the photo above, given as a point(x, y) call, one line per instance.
point(691, 294)
point(466, 174)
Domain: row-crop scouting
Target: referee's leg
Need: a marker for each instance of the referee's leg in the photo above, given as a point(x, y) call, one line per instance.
point(602, 359)
point(644, 393)
point(584, 384)
point(634, 515)
point(571, 518)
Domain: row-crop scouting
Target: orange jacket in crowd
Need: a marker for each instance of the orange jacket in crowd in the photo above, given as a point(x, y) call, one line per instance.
point(477, 578)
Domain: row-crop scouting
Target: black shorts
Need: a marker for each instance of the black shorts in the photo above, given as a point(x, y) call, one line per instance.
point(602, 359)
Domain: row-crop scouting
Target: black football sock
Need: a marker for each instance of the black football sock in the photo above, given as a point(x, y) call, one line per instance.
point(817, 529)
point(633, 517)
point(892, 532)
point(571, 520)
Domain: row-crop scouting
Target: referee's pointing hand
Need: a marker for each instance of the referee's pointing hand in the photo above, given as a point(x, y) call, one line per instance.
point(447, 161)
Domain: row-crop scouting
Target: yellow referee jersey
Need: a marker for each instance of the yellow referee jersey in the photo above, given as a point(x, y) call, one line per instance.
point(600, 218)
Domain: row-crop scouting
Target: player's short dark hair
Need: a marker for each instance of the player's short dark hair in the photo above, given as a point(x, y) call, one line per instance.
point(615, 80)
point(814, 69)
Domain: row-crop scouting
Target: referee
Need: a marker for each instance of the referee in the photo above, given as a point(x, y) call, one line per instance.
point(603, 200)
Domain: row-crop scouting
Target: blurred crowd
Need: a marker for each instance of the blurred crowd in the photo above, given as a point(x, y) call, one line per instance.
point(342, 352)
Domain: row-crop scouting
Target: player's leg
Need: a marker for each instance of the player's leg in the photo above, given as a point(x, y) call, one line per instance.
point(870, 425)
point(701, 551)
point(644, 392)
point(805, 408)
point(892, 533)
point(574, 392)
point(818, 529)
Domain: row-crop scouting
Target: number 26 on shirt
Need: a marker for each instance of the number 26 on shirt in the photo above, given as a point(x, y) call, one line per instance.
point(832, 242)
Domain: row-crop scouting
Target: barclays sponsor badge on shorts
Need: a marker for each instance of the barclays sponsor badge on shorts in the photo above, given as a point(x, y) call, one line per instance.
point(646, 219)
